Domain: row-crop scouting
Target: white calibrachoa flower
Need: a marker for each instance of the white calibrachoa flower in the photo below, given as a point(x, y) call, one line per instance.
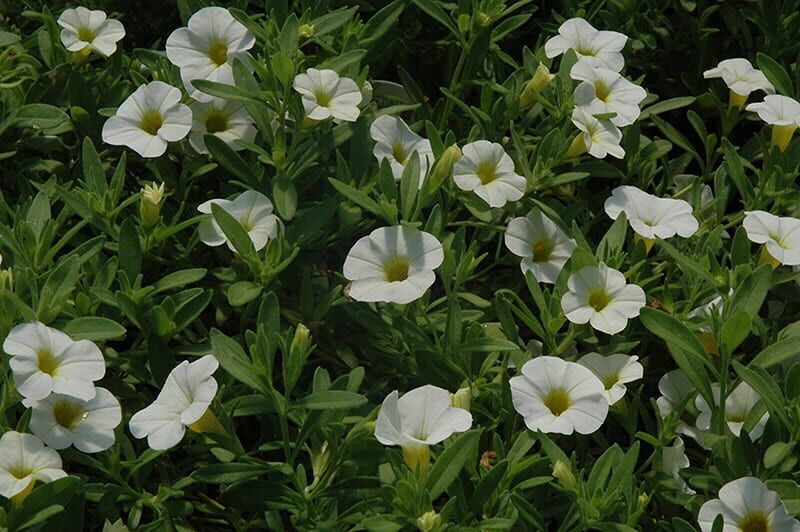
point(392, 264)
point(604, 91)
point(738, 405)
point(207, 47)
point(225, 119)
point(486, 169)
point(779, 234)
point(675, 388)
point(543, 246)
point(326, 95)
point(782, 113)
point(554, 395)
point(650, 216)
point(747, 505)
point(595, 47)
point(23, 460)
point(45, 360)
point(741, 78)
point(61, 421)
point(395, 142)
point(253, 210)
point(673, 459)
point(600, 296)
point(85, 30)
point(598, 137)
point(614, 371)
point(420, 418)
point(150, 118)
point(184, 401)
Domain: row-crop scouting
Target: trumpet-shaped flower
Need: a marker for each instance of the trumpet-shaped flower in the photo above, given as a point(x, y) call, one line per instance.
point(85, 30)
point(746, 505)
point(207, 47)
point(676, 389)
point(595, 47)
point(554, 395)
point(543, 246)
point(600, 296)
point(780, 235)
point(420, 418)
point(225, 119)
point(253, 210)
point(599, 136)
point(604, 91)
point(486, 169)
point(395, 142)
point(614, 371)
point(183, 401)
point(741, 78)
point(23, 460)
point(673, 459)
point(650, 216)
point(61, 421)
point(45, 360)
point(393, 264)
point(150, 118)
point(782, 113)
point(326, 95)
point(738, 405)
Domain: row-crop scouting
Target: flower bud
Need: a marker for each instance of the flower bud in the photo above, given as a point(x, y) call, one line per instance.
point(429, 522)
point(463, 23)
point(540, 80)
point(483, 20)
point(563, 472)
point(305, 31)
point(150, 204)
point(301, 343)
point(444, 166)
point(462, 398)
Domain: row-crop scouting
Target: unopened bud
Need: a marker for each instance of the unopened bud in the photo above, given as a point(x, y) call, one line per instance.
point(429, 522)
point(483, 20)
point(444, 166)
point(463, 23)
point(150, 204)
point(563, 472)
point(540, 80)
point(461, 399)
point(305, 31)
point(301, 343)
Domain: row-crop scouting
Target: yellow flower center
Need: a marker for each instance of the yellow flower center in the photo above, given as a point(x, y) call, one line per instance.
point(323, 98)
point(486, 173)
point(69, 414)
point(85, 34)
point(396, 269)
point(399, 153)
point(754, 522)
point(19, 472)
point(151, 121)
point(598, 299)
point(735, 417)
point(47, 362)
point(778, 240)
point(542, 250)
point(218, 52)
point(216, 121)
point(610, 380)
point(602, 91)
point(557, 401)
point(585, 51)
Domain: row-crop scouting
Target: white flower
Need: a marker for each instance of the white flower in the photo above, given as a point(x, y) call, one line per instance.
point(782, 113)
point(183, 401)
point(543, 246)
point(738, 404)
point(46, 360)
point(207, 47)
point(326, 95)
point(780, 235)
point(61, 421)
point(650, 216)
point(741, 78)
point(486, 169)
point(85, 30)
point(673, 459)
point(676, 389)
point(395, 142)
point(614, 371)
point(393, 264)
point(604, 91)
point(253, 210)
point(600, 137)
point(150, 118)
point(554, 395)
point(746, 505)
point(23, 460)
point(601, 297)
point(225, 119)
point(597, 48)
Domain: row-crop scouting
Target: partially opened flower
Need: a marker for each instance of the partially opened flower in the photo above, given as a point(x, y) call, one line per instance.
point(676, 390)
point(395, 142)
point(779, 234)
point(393, 264)
point(554, 395)
point(543, 246)
point(486, 169)
point(614, 371)
point(225, 119)
point(207, 47)
point(599, 136)
point(61, 421)
point(604, 91)
point(45, 360)
point(85, 30)
point(420, 418)
point(746, 505)
point(741, 78)
point(184, 401)
point(23, 460)
point(600, 296)
point(595, 47)
point(326, 95)
point(673, 459)
point(150, 118)
point(740, 401)
point(782, 113)
point(253, 210)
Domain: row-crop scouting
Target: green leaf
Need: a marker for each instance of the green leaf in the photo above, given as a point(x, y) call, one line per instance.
point(130, 250)
point(236, 472)
point(775, 74)
point(381, 22)
point(733, 165)
point(284, 195)
point(93, 170)
point(229, 159)
point(666, 105)
point(50, 119)
point(343, 61)
point(764, 384)
point(438, 14)
point(94, 328)
point(735, 330)
point(356, 196)
point(234, 232)
point(449, 464)
point(487, 486)
point(233, 359)
point(777, 353)
point(243, 292)
point(687, 264)
point(750, 294)
point(229, 92)
point(178, 279)
point(485, 345)
point(409, 184)
point(330, 400)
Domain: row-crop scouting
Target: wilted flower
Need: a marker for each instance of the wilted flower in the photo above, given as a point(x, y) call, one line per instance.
point(395, 142)
point(676, 388)
point(738, 404)
point(782, 113)
point(23, 460)
point(614, 371)
point(746, 505)
point(225, 119)
point(85, 30)
point(486, 169)
point(326, 95)
point(779, 234)
point(741, 78)
point(543, 246)
point(150, 204)
point(253, 210)
point(597, 48)
point(599, 137)
point(603, 91)
point(673, 459)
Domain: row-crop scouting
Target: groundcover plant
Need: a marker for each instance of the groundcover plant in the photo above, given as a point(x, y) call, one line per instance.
point(400, 265)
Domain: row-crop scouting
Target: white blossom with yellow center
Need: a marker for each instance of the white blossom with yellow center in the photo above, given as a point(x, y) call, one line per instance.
point(595, 47)
point(23, 460)
point(225, 119)
point(85, 30)
point(650, 216)
point(614, 371)
point(252, 209)
point(782, 113)
point(395, 142)
point(747, 505)
point(543, 246)
point(599, 137)
point(741, 78)
point(326, 95)
point(779, 234)
point(488, 171)
point(603, 91)
point(740, 401)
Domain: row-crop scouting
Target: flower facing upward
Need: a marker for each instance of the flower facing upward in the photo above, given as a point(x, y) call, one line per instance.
point(554, 395)
point(395, 142)
point(614, 371)
point(225, 119)
point(604, 91)
point(253, 210)
point(746, 505)
point(738, 404)
point(650, 216)
point(23, 460)
point(207, 47)
point(741, 78)
point(779, 234)
point(782, 113)
point(600, 296)
point(543, 246)
point(326, 95)
point(393, 264)
point(45, 360)
point(150, 118)
point(599, 137)
point(85, 30)
point(486, 169)
point(597, 48)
